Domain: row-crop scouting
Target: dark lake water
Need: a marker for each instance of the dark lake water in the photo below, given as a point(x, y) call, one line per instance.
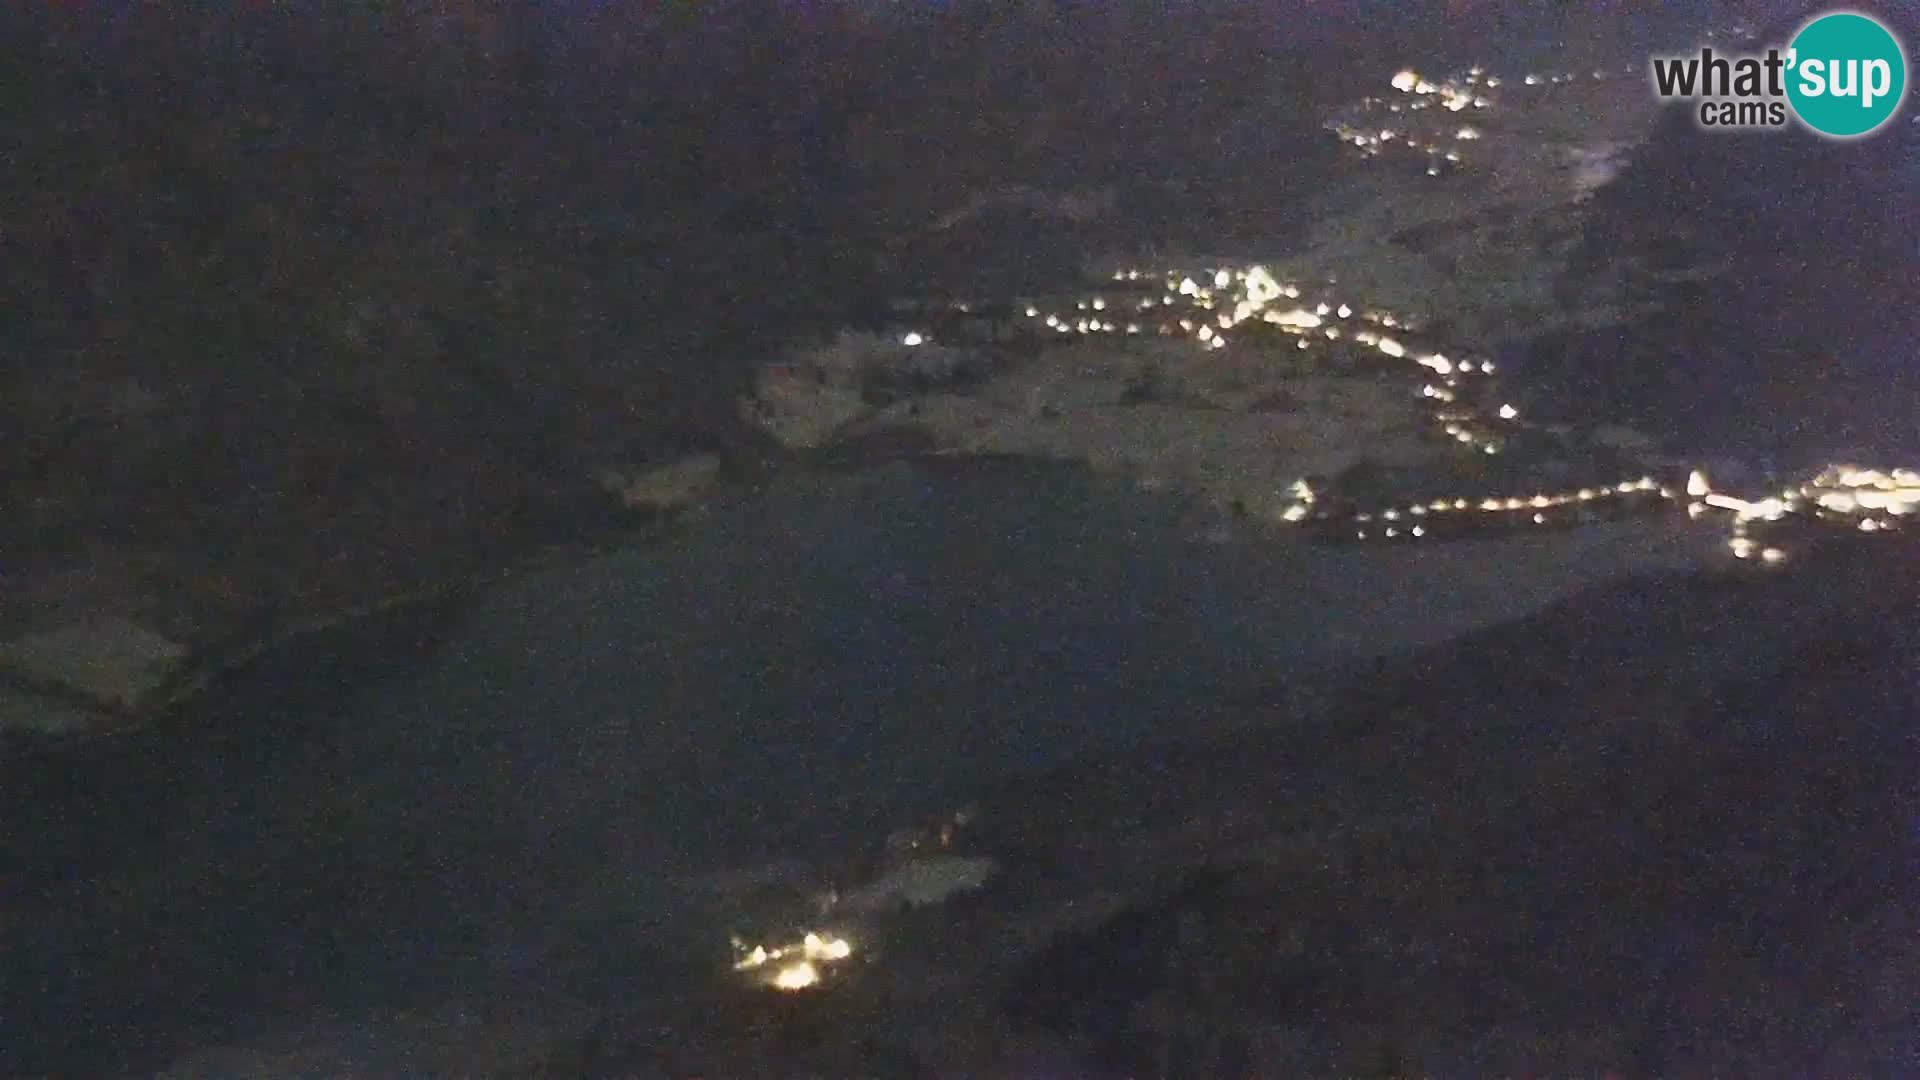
point(789, 675)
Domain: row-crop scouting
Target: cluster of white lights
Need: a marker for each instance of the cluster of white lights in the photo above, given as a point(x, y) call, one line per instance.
point(1206, 304)
point(1405, 521)
point(1363, 127)
point(1453, 95)
point(798, 965)
point(1844, 490)
point(1563, 78)
point(1876, 499)
point(1745, 547)
point(1870, 494)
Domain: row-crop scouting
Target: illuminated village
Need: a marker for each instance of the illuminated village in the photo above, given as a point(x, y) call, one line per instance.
point(1194, 381)
point(1286, 394)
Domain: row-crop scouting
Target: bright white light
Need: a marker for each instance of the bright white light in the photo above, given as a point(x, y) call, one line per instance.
point(1099, 304)
point(1391, 348)
point(1222, 279)
point(826, 948)
point(1261, 287)
point(1405, 81)
point(1772, 555)
point(1539, 519)
point(1697, 484)
point(912, 339)
point(1344, 311)
point(1508, 412)
point(1298, 317)
point(1032, 312)
point(1467, 134)
point(797, 976)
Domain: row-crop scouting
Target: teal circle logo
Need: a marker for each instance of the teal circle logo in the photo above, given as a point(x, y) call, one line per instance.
point(1846, 74)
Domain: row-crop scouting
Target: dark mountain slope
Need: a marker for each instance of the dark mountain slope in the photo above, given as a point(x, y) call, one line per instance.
point(1803, 347)
point(1665, 829)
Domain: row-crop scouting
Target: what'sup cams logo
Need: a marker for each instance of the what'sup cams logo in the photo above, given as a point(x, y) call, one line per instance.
point(1843, 75)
